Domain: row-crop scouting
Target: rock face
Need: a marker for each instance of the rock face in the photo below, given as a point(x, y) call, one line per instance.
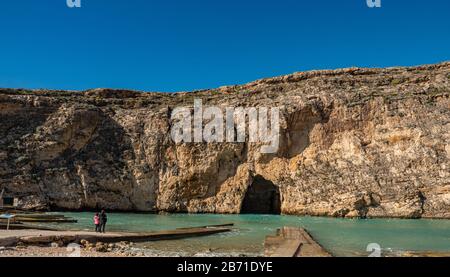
point(354, 143)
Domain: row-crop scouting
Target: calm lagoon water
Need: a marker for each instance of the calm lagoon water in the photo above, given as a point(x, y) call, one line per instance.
point(342, 237)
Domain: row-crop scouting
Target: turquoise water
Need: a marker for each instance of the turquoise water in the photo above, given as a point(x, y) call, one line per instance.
point(342, 237)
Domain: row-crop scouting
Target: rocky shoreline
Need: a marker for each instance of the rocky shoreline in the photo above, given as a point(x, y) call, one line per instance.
point(122, 249)
point(130, 251)
point(36, 251)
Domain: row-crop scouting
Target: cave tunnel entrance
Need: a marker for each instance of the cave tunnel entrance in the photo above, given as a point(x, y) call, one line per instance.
point(262, 197)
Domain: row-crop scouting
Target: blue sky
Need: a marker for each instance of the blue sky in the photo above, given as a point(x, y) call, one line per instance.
point(181, 45)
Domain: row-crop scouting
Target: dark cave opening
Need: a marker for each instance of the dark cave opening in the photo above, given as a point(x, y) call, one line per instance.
point(262, 197)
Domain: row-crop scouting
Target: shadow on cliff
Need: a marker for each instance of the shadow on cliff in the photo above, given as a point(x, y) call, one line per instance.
point(97, 174)
point(18, 120)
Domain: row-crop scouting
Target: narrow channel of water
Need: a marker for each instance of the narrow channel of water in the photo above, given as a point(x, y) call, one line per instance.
point(342, 237)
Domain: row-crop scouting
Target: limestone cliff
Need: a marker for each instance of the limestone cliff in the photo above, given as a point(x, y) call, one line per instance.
point(354, 142)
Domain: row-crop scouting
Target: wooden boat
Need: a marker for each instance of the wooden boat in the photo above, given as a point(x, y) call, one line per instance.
point(45, 220)
point(20, 226)
point(208, 226)
point(40, 217)
point(36, 215)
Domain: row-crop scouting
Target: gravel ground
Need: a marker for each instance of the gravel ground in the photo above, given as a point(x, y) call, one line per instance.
point(35, 251)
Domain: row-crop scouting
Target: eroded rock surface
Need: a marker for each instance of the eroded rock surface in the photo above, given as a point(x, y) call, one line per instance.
point(354, 143)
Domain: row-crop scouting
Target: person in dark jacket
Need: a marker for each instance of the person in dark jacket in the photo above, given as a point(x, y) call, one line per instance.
point(103, 220)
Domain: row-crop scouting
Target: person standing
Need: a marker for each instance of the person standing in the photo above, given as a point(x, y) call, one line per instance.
point(103, 220)
point(97, 222)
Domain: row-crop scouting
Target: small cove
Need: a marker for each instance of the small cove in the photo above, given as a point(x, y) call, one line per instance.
point(342, 237)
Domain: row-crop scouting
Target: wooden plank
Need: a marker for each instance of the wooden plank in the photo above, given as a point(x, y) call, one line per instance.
point(293, 242)
point(70, 236)
point(208, 226)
